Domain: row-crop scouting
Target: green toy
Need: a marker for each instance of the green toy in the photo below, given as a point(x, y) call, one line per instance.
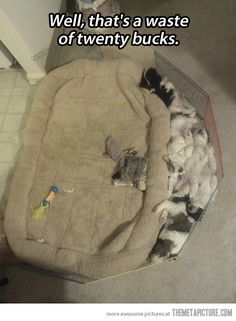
point(39, 211)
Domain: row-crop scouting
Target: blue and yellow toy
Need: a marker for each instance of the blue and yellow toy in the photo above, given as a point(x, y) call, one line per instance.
point(39, 211)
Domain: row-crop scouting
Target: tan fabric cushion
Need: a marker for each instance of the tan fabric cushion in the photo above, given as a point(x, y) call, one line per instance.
point(98, 230)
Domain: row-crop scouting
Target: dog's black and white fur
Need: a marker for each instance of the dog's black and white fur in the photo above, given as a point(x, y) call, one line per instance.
point(151, 80)
point(191, 164)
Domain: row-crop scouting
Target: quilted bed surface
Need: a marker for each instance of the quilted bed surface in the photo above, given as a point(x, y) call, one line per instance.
point(96, 229)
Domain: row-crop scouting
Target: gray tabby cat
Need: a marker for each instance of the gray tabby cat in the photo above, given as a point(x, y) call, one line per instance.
point(132, 168)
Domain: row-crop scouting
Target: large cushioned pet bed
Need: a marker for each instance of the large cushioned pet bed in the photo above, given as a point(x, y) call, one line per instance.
point(91, 227)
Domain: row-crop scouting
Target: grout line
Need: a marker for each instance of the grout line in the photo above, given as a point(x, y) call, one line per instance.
point(1, 161)
point(7, 108)
point(15, 114)
point(12, 113)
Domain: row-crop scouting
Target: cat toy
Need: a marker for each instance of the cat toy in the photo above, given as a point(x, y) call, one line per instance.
point(39, 211)
point(131, 168)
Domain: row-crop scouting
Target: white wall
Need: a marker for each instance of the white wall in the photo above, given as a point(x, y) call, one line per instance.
point(25, 32)
point(6, 59)
point(30, 18)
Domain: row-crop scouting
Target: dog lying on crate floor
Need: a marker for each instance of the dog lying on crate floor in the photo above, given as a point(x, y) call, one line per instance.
point(192, 169)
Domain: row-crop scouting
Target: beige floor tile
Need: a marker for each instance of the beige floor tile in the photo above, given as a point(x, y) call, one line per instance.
point(2, 188)
point(21, 80)
point(14, 92)
point(7, 151)
point(2, 116)
point(4, 171)
point(17, 104)
point(20, 91)
point(11, 123)
point(3, 103)
point(5, 91)
point(7, 78)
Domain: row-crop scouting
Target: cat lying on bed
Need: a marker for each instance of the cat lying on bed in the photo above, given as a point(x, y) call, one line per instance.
point(132, 169)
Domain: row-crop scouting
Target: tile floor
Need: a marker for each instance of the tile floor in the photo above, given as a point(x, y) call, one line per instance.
point(14, 97)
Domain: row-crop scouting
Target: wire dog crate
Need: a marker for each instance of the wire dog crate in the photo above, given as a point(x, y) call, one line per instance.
point(198, 98)
point(202, 103)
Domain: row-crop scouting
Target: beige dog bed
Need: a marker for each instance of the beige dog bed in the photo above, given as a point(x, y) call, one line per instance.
point(96, 229)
